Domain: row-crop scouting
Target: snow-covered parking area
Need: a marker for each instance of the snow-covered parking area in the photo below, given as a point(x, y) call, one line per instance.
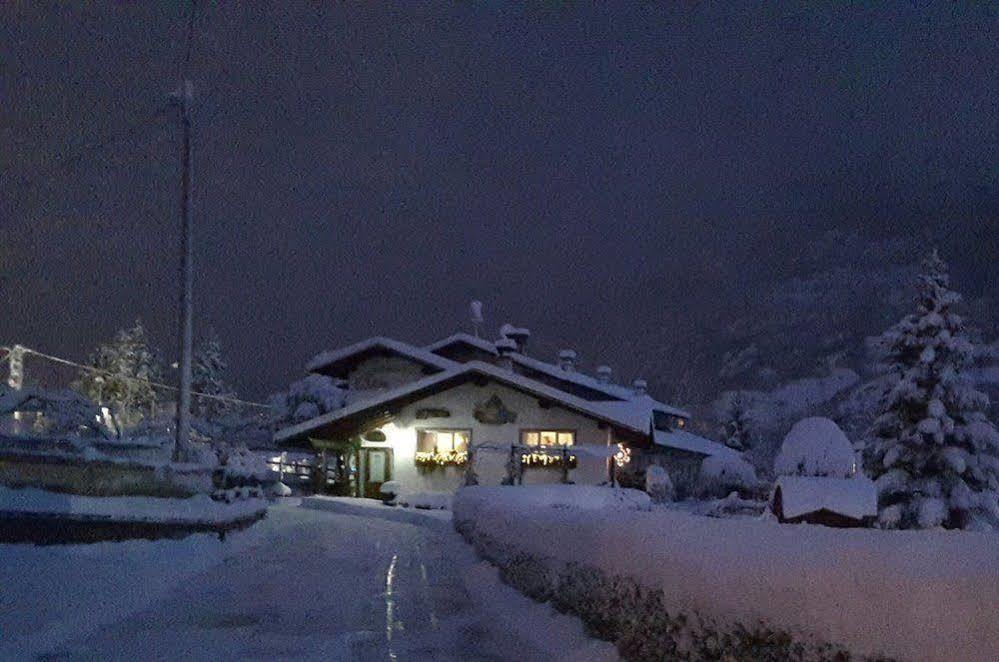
point(302, 583)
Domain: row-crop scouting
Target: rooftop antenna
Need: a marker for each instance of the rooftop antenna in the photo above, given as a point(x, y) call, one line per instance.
point(475, 310)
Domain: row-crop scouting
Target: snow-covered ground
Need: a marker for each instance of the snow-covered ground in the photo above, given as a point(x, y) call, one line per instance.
point(300, 584)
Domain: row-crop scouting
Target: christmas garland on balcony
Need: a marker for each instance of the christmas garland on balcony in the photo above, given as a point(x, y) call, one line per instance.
point(547, 457)
point(437, 458)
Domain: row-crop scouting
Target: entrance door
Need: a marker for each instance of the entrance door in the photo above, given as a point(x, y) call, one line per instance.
point(377, 464)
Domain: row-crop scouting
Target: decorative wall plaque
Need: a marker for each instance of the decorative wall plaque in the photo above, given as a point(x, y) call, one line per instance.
point(494, 412)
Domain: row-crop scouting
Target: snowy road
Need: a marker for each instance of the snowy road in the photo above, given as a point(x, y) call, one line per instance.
point(309, 584)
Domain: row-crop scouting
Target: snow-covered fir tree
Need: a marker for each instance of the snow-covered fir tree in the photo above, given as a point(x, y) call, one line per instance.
point(307, 398)
point(736, 422)
point(123, 369)
point(934, 453)
point(208, 377)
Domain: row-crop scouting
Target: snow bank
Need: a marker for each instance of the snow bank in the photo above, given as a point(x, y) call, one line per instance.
point(694, 583)
point(198, 509)
point(816, 447)
point(852, 497)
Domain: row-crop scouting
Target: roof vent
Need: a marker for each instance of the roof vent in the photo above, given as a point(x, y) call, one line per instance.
point(604, 374)
point(567, 360)
point(517, 334)
point(639, 386)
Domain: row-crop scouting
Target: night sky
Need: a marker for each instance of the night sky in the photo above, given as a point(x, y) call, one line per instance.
point(602, 176)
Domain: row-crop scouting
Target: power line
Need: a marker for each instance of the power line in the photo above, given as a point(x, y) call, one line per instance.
point(108, 373)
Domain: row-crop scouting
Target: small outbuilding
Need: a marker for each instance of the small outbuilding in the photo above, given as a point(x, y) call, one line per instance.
point(818, 481)
point(839, 502)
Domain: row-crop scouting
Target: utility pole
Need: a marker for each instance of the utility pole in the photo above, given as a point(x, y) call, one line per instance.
point(186, 276)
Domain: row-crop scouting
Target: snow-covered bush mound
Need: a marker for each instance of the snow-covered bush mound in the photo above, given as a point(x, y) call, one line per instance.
point(724, 473)
point(658, 485)
point(664, 584)
point(816, 447)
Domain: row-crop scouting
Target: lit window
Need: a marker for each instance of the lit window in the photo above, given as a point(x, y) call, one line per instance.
point(548, 437)
point(442, 447)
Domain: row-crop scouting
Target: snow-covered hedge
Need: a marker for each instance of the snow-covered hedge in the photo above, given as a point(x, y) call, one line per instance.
point(665, 583)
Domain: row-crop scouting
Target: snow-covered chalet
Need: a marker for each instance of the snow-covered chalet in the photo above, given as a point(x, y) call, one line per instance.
point(412, 414)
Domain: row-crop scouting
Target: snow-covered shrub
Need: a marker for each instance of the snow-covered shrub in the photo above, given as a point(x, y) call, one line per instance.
point(279, 489)
point(935, 455)
point(816, 447)
point(241, 466)
point(725, 473)
point(658, 485)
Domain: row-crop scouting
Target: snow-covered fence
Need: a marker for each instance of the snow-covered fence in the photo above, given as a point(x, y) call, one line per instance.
point(665, 583)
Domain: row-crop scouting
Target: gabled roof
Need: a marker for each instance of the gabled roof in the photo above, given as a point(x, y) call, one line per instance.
point(458, 374)
point(329, 359)
point(611, 391)
point(687, 441)
point(465, 339)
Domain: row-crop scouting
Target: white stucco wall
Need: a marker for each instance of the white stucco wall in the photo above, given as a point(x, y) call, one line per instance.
point(401, 436)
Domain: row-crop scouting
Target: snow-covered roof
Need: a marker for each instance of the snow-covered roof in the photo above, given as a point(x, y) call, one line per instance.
point(418, 354)
point(639, 409)
point(465, 338)
point(632, 419)
point(686, 441)
point(851, 497)
point(613, 391)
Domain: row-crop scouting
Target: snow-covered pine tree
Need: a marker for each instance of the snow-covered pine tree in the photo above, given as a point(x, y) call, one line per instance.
point(208, 377)
point(126, 365)
point(736, 422)
point(934, 453)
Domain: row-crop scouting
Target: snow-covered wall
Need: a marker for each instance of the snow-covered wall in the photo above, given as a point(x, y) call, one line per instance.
point(747, 587)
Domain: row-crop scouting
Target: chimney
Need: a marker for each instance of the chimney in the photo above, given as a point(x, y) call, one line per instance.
point(639, 386)
point(567, 360)
point(505, 347)
point(604, 374)
point(517, 334)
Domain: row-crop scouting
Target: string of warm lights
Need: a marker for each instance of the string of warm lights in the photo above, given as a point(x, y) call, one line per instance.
point(440, 458)
point(546, 459)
